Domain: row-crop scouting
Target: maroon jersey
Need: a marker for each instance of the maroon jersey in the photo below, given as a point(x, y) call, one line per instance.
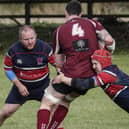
point(77, 40)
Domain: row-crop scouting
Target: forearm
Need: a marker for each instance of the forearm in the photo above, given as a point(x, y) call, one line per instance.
point(67, 80)
point(106, 40)
point(59, 59)
point(105, 36)
point(10, 75)
point(83, 84)
point(17, 83)
point(80, 85)
point(13, 78)
point(22, 88)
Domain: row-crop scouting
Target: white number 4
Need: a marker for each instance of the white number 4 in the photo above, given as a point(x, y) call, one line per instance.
point(77, 30)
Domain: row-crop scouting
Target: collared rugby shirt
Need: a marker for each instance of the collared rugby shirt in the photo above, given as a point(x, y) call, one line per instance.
point(29, 65)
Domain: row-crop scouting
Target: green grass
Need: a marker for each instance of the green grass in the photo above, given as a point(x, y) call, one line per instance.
point(92, 111)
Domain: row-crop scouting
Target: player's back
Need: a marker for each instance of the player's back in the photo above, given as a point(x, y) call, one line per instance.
point(77, 39)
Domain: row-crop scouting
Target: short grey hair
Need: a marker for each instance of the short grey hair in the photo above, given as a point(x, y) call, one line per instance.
point(26, 28)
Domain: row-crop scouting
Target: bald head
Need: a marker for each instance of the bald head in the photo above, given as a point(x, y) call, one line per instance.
point(27, 36)
point(25, 29)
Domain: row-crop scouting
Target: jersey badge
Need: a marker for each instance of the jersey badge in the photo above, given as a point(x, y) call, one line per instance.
point(19, 61)
point(39, 60)
point(80, 45)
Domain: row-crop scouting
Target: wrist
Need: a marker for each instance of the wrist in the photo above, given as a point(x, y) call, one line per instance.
point(67, 80)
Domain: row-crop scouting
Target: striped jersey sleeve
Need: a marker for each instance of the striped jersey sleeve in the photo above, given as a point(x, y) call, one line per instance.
point(105, 77)
point(8, 63)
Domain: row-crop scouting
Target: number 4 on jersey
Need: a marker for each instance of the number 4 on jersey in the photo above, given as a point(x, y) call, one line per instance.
point(77, 30)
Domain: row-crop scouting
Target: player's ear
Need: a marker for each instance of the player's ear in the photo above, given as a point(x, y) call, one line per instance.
point(66, 14)
point(80, 14)
point(36, 35)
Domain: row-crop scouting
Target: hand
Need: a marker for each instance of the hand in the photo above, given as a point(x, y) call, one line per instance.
point(58, 79)
point(58, 70)
point(23, 90)
point(108, 40)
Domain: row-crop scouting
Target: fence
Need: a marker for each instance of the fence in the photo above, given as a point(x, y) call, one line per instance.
point(28, 16)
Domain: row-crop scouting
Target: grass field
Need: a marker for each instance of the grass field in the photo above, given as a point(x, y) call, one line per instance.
point(92, 111)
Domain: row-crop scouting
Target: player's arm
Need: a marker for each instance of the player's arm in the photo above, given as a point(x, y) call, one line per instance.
point(59, 59)
point(104, 77)
point(59, 56)
point(8, 68)
point(54, 64)
point(81, 85)
point(106, 40)
point(56, 61)
point(13, 78)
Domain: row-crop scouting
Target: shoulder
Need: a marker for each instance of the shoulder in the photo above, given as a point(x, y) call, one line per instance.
point(42, 43)
point(109, 70)
point(60, 27)
point(106, 76)
point(15, 47)
point(44, 46)
point(96, 23)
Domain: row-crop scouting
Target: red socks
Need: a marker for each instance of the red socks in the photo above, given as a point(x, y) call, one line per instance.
point(43, 116)
point(58, 117)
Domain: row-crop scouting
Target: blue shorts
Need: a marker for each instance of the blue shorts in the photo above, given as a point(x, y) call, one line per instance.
point(36, 93)
point(123, 99)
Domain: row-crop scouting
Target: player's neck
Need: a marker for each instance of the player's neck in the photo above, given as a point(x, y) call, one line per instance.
point(72, 17)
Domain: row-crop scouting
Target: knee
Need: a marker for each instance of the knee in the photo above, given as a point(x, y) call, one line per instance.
point(46, 104)
point(6, 113)
point(65, 102)
point(69, 98)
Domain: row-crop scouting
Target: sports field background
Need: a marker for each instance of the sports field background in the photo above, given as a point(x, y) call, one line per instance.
point(92, 111)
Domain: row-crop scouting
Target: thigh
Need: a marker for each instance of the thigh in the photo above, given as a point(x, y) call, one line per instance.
point(10, 108)
point(71, 97)
point(123, 100)
point(15, 97)
point(51, 97)
point(53, 92)
point(37, 92)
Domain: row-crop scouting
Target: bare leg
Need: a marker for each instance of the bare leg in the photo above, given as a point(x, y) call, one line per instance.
point(49, 101)
point(7, 111)
point(61, 111)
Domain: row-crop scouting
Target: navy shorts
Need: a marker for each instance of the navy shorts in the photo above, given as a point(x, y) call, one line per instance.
point(123, 99)
point(65, 89)
point(36, 93)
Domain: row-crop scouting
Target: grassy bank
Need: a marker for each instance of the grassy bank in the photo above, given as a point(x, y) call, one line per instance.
point(92, 111)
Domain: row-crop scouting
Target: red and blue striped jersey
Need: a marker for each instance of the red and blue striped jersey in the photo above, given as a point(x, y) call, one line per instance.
point(112, 80)
point(29, 65)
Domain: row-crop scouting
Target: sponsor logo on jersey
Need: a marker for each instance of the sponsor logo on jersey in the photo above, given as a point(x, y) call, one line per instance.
point(19, 61)
point(39, 60)
point(80, 45)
